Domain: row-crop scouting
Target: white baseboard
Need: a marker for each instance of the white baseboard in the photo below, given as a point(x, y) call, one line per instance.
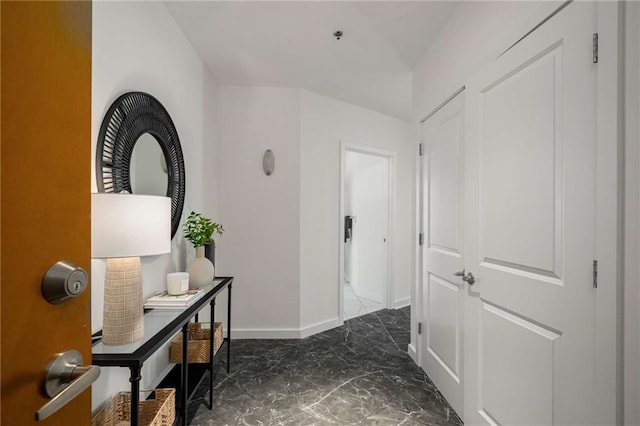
point(265, 333)
point(413, 354)
point(319, 327)
point(284, 333)
point(402, 303)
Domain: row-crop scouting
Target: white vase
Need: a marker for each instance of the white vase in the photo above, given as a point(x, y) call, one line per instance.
point(201, 271)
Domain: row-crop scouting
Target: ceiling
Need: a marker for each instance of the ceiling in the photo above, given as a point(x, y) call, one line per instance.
point(291, 44)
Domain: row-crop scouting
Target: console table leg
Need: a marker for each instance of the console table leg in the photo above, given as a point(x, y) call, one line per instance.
point(211, 351)
point(135, 394)
point(229, 331)
point(185, 372)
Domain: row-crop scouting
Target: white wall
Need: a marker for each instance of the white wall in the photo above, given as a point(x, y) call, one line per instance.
point(350, 248)
point(137, 46)
point(370, 206)
point(261, 214)
point(324, 122)
point(210, 156)
point(351, 252)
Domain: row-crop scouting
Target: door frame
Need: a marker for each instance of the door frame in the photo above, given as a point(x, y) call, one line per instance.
point(350, 146)
point(610, 214)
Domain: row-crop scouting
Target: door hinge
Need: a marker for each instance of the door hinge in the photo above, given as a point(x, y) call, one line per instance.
point(595, 273)
point(419, 328)
point(595, 48)
point(421, 238)
point(421, 149)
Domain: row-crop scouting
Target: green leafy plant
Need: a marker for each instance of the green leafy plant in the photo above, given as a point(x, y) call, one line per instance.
point(199, 230)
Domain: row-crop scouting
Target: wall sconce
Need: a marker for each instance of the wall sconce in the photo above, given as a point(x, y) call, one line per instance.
point(268, 162)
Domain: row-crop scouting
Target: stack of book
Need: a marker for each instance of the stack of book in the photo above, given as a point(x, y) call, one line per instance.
point(167, 301)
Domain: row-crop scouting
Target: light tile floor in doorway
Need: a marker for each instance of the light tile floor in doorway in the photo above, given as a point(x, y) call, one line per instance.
point(355, 374)
point(355, 306)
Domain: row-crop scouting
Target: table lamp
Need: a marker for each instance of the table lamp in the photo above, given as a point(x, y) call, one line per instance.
point(123, 228)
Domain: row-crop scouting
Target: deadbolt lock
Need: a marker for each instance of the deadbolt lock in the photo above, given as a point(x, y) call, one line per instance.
point(63, 281)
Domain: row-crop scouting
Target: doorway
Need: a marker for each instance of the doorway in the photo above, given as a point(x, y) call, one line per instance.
point(365, 230)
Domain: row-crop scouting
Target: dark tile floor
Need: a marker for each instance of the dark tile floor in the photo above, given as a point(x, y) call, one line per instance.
point(359, 373)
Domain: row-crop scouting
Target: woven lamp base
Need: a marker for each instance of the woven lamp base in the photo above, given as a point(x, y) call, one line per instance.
point(123, 304)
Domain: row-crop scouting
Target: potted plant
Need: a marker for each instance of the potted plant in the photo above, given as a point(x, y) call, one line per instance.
point(199, 231)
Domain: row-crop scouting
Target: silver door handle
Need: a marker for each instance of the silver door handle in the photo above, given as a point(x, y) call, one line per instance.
point(466, 277)
point(66, 379)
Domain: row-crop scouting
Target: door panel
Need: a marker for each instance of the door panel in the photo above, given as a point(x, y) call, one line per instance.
point(531, 175)
point(443, 310)
point(45, 187)
point(443, 298)
point(517, 365)
point(444, 186)
point(521, 119)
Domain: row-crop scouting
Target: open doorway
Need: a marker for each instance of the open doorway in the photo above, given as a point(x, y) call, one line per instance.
point(366, 230)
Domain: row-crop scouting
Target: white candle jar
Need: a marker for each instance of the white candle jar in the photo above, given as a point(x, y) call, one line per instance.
point(177, 283)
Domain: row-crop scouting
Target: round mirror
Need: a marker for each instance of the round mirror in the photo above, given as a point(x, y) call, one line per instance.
point(149, 174)
point(137, 138)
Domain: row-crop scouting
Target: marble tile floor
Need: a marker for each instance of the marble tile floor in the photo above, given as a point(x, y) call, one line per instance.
point(356, 374)
point(355, 305)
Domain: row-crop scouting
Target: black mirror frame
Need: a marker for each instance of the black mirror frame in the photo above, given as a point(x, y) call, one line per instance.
point(128, 118)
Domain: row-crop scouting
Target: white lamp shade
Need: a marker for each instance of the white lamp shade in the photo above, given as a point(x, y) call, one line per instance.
point(129, 225)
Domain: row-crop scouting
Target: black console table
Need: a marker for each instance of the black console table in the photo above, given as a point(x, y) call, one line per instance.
point(160, 325)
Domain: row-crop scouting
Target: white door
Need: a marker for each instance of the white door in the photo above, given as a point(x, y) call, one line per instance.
point(370, 208)
point(531, 229)
point(442, 292)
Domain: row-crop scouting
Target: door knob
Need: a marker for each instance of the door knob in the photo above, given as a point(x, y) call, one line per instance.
point(66, 379)
point(469, 278)
point(466, 277)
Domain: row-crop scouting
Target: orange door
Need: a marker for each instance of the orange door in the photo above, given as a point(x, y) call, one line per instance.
point(45, 192)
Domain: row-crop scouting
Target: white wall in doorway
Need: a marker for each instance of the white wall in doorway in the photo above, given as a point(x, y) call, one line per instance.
point(350, 250)
point(367, 199)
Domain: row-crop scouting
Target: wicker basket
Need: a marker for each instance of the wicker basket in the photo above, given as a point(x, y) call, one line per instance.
point(160, 411)
point(198, 344)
